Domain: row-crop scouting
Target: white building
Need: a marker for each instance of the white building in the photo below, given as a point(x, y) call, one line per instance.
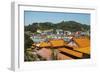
point(60, 31)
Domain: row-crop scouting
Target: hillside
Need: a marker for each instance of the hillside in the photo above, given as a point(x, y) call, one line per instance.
point(72, 26)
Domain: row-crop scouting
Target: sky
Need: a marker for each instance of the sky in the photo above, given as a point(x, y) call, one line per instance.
point(55, 17)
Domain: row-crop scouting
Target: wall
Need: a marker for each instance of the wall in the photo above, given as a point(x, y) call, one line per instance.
point(5, 36)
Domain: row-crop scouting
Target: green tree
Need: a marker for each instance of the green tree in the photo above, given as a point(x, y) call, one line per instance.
point(27, 41)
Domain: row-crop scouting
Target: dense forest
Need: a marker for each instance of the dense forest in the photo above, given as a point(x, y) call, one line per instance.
point(72, 26)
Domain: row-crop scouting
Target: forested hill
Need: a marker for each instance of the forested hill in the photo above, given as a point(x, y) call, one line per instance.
point(72, 26)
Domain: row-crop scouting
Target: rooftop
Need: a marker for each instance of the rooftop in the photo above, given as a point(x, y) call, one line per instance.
point(82, 42)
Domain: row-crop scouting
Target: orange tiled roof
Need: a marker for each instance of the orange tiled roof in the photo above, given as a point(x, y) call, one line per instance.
point(71, 52)
point(57, 43)
point(83, 50)
point(44, 44)
point(82, 42)
point(53, 43)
